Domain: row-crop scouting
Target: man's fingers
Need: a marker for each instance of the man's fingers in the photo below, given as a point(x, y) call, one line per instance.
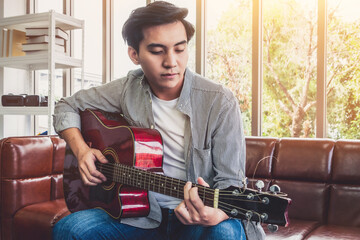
point(188, 199)
point(202, 182)
point(195, 200)
point(182, 214)
point(89, 174)
point(86, 178)
point(99, 156)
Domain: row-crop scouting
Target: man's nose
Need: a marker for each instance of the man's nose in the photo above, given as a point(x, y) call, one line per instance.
point(170, 60)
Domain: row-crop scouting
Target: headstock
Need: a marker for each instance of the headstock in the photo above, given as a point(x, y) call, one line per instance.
point(265, 207)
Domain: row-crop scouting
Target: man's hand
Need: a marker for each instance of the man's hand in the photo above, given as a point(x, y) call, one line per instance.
point(192, 210)
point(86, 157)
point(86, 160)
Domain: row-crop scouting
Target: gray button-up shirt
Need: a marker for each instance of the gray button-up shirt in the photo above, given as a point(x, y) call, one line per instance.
point(214, 138)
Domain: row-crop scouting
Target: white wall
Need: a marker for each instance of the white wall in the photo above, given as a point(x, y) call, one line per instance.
point(14, 80)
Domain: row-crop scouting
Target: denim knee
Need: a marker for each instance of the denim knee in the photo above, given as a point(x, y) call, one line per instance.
point(229, 229)
point(78, 225)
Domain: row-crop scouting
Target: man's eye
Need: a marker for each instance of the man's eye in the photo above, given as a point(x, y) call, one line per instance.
point(179, 50)
point(156, 52)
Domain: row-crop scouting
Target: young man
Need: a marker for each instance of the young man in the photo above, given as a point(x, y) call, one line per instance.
point(199, 121)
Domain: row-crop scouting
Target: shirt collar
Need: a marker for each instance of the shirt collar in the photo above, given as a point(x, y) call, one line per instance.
point(183, 104)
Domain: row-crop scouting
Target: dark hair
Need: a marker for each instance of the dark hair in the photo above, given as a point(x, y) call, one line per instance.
point(154, 14)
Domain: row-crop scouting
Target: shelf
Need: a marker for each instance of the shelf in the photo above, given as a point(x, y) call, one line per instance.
point(40, 61)
point(49, 60)
point(23, 110)
point(41, 20)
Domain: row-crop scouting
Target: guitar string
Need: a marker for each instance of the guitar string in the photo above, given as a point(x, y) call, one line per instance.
point(211, 191)
point(228, 208)
point(134, 171)
point(142, 178)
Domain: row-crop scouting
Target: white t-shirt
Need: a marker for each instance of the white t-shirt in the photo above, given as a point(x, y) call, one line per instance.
point(171, 124)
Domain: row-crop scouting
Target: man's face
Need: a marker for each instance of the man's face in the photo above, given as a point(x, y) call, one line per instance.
point(163, 56)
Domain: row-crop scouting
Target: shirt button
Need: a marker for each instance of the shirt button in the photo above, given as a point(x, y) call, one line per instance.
point(152, 126)
point(150, 101)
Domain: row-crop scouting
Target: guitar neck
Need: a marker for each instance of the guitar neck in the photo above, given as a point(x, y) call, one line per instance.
point(139, 178)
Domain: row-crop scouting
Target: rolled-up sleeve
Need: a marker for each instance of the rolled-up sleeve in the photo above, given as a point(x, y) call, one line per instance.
point(105, 97)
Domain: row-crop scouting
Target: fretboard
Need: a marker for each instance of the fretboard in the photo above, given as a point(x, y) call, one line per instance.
point(159, 183)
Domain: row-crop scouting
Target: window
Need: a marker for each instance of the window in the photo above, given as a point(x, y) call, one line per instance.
point(47, 5)
point(228, 50)
point(289, 67)
point(343, 73)
point(289, 61)
point(122, 63)
point(91, 13)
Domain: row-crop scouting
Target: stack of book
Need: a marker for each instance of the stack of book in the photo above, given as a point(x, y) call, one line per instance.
point(38, 41)
point(11, 42)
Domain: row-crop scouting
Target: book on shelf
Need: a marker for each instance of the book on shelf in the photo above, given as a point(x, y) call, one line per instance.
point(16, 40)
point(33, 32)
point(37, 52)
point(45, 39)
point(40, 46)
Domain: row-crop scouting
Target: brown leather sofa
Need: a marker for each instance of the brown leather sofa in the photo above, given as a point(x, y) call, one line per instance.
point(321, 176)
point(31, 193)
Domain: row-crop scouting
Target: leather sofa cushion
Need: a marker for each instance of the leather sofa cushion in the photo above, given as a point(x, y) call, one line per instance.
point(308, 199)
point(333, 232)
point(26, 157)
point(344, 206)
point(259, 156)
point(346, 162)
point(40, 227)
point(303, 159)
point(297, 230)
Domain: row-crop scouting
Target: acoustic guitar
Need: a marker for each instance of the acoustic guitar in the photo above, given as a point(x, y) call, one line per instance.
point(135, 159)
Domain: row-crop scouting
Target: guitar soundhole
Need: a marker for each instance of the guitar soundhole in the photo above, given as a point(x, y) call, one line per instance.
point(108, 172)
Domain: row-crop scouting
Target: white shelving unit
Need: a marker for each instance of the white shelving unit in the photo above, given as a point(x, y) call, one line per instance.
point(50, 60)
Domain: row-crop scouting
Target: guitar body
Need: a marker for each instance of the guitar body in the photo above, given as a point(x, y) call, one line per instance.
point(135, 147)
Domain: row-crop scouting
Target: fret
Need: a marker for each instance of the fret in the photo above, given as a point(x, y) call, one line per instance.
point(152, 182)
point(116, 172)
point(159, 182)
point(138, 175)
point(178, 191)
point(163, 185)
point(204, 195)
point(171, 186)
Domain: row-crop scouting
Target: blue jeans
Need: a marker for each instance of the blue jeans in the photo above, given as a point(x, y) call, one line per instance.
point(97, 224)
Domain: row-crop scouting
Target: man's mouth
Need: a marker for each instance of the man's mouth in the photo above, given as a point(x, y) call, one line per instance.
point(169, 74)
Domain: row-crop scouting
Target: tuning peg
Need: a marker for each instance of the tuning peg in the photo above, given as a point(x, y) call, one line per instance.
point(245, 182)
point(274, 189)
point(272, 227)
point(259, 185)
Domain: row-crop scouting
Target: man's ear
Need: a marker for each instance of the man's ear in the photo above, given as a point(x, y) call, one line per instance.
point(133, 55)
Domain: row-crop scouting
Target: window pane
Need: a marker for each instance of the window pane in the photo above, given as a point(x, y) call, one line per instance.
point(228, 49)
point(93, 42)
point(47, 5)
point(122, 62)
point(289, 67)
point(343, 73)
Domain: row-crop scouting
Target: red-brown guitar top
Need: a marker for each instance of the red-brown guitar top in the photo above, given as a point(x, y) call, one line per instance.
point(136, 147)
